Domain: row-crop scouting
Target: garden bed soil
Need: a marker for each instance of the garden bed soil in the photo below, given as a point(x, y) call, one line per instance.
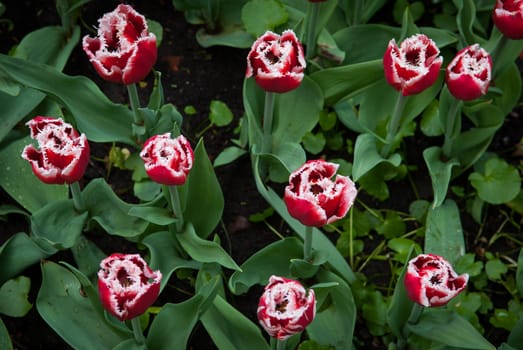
point(193, 76)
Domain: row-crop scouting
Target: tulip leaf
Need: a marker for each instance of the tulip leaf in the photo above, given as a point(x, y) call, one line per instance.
point(519, 273)
point(58, 224)
point(107, 209)
point(204, 194)
point(19, 181)
point(153, 214)
point(5, 339)
point(203, 250)
point(446, 327)
point(228, 155)
point(367, 156)
point(62, 304)
point(258, 16)
point(444, 234)
point(130, 344)
point(87, 256)
point(13, 297)
point(440, 173)
point(273, 259)
point(95, 115)
point(498, 183)
point(165, 255)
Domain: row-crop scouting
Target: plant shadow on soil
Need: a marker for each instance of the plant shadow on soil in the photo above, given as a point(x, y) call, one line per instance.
point(193, 76)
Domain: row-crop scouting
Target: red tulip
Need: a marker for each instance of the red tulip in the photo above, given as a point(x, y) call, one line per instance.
point(313, 198)
point(276, 62)
point(413, 66)
point(431, 281)
point(63, 154)
point(285, 308)
point(167, 161)
point(127, 285)
point(468, 75)
point(124, 51)
point(508, 17)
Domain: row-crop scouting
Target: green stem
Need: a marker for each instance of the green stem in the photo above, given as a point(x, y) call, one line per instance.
point(176, 207)
point(452, 126)
point(268, 112)
point(307, 244)
point(137, 331)
point(78, 200)
point(394, 124)
point(280, 344)
point(134, 101)
point(351, 243)
point(314, 11)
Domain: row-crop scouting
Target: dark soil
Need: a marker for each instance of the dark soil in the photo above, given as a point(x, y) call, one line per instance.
point(193, 76)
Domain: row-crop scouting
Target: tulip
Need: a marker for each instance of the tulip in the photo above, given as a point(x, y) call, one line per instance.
point(62, 154)
point(413, 66)
point(468, 75)
point(167, 161)
point(276, 62)
point(313, 198)
point(431, 281)
point(124, 51)
point(127, 285)
point(285, 308)
point(508, 18)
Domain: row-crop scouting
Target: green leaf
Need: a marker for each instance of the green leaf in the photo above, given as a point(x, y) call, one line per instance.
point(13, 297)
point(519, 273)
point(440, 173)
point(402, 247)
point(495, 268)
point(444, 234)
point(228, 155)
point(19, 181)
point(220, 114)
point(499, 183)
point(314, 143)
point(87, 256)
point(393, 225)
point(447, 327)
point(430, 123)
point(258, 16)
point(107, 209)
point(203, 250)
point(204, 194)
point(5, 339)
point(62, 304)
point(366, 156)
point(273, 259)
point(155, 215)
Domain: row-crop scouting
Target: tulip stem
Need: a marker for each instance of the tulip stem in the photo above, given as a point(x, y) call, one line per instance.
point(280, 344)
point(78, 200)
point(452, 126)
point(268, 112)
point(176, 207)
point(137, 330)
point(394, 124)
point(314, 11)
point(134, 101)
point(307, 244)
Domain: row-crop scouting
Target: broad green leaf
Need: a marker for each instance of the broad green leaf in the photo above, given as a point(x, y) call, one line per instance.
point(70, 314)
point(165, 255)
point(228, 155)
point(5, 339)
point(258, 16)
point(285, 158)
point(519, 273)
point(220, 114)
point(13, 297)
point(153, 214)
point(230, 36)
point(204, 201)
point(367, 156)
point(19, 181)
point(447, 327)
point(87, 256)
point(314, 143)
point(18, 253)
point(130, 344)
point(515, 337)
point(58, 224)
point(95, 115)
point(204, 250)
point(402, 247)
point(444, 234)
point(440, 173)
point(495, 269)
point(273, 259)
point(499, 183)
point(107, 209)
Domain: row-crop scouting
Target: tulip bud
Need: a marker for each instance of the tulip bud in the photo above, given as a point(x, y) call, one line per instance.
point(285, 308)
point(276, 62)
point(508, 18)
point(431, 281)
point(413, 66)
point(127, 285)
point(63, 154)
point(468, 74)
point(313, 198)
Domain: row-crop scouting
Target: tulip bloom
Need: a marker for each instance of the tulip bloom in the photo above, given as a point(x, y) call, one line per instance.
point(124, 51)
point(431, 281)
point(276, 62)
point(285, 308)
point(468, 75)
point(62, 155)
point(313, 198)
point(508, 18)
point(413, 66)
point(127, 285)
point(167, 161)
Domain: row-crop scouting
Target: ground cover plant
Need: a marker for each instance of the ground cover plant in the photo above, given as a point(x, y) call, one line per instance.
point(351, 182)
